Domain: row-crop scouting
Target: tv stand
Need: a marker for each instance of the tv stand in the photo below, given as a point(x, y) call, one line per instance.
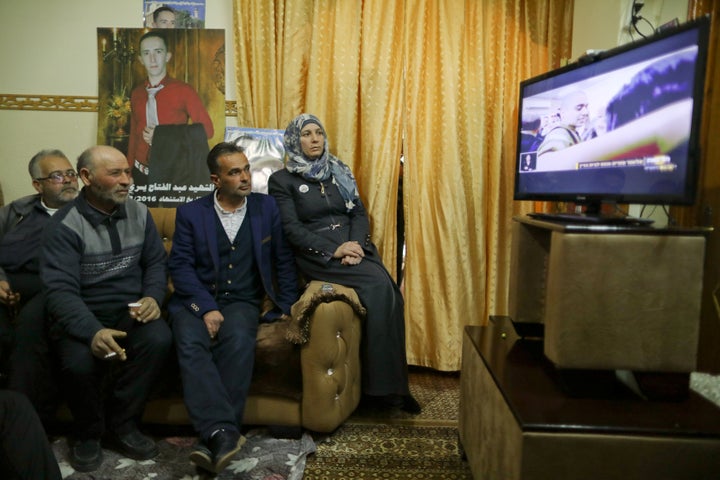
point(609, 296)
point(592, 218)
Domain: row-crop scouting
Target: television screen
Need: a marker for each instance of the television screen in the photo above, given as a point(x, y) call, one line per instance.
point(619, 126)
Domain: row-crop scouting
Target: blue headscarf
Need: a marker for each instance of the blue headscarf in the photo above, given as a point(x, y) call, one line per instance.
point(325, 167)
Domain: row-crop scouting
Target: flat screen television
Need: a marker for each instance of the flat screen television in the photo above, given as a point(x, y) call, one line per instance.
point(619, 126)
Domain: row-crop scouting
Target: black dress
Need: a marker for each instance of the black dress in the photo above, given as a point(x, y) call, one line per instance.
point(316, 222)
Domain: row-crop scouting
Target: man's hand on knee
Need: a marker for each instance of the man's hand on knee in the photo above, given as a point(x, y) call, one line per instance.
point(147, 311)
point(213, 319)
point(7, 296)
point(103, 343)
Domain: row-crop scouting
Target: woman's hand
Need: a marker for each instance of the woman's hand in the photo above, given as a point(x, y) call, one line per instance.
point(349, 251)
point(348, 260)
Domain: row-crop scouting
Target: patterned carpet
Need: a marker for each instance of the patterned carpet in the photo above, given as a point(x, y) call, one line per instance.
point(373, 444)
point(437, 392)
point(390, 444)
point(707, 385)
point(383, 451)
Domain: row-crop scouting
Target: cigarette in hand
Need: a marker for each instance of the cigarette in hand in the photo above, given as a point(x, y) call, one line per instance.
point(112, 354)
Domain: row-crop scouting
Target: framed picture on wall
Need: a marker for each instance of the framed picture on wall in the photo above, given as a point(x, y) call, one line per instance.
point(174, 14)
point(162, 103)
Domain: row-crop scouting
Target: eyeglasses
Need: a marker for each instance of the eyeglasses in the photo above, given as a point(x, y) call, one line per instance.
point(59, 177)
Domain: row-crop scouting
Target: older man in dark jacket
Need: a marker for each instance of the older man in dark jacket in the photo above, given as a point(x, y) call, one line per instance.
point(23, 349)
point(99, 254)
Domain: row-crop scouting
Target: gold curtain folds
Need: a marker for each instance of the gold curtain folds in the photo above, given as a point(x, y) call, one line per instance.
point(436, 81)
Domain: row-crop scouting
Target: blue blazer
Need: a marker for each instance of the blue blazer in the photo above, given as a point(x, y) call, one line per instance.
point(194, 261)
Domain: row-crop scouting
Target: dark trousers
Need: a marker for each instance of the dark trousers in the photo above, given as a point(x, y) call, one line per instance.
point(30, 365)
point(28, 286)
point(88, 381)
point(216, 374)
point(32, 369)
point(24, 449)
point(7, 340)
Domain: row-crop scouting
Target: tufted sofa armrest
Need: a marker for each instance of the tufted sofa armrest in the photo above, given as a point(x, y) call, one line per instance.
point(330, 355)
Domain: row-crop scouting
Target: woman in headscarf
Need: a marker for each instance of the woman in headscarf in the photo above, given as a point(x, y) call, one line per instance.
point(325, 221)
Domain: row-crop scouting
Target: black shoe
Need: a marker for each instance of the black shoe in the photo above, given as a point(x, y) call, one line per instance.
point(410, 405)
point(224, 444)
point(406, 403)
point(202, 457)
point(133, 444)
point(86, 455)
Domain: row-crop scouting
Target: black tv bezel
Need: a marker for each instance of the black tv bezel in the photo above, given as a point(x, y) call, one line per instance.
point(593, 200)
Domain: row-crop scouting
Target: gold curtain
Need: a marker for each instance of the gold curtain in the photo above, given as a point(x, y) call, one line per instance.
point(437, 81)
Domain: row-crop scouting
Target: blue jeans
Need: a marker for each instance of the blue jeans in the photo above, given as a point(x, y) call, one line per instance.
point(216, 373)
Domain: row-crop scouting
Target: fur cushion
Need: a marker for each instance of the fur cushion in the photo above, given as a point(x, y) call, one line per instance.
point(277, 362)
point(298, 331)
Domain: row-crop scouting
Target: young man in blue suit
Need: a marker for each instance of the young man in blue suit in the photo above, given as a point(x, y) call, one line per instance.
point(228, 253)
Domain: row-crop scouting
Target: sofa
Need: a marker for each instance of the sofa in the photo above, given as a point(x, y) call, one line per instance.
point(307, 370)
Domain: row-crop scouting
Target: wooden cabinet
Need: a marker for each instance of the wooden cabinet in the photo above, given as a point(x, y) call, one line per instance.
point(517, 422)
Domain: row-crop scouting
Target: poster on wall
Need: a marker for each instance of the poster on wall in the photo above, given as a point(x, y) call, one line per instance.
point(161, 101)
point(174, 14)
point(264, 150)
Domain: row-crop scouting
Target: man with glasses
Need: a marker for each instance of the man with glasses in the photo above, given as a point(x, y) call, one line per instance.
point(23, 349)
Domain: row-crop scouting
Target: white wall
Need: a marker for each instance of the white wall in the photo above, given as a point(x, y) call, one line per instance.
point(49, 47)
point(600, 25)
